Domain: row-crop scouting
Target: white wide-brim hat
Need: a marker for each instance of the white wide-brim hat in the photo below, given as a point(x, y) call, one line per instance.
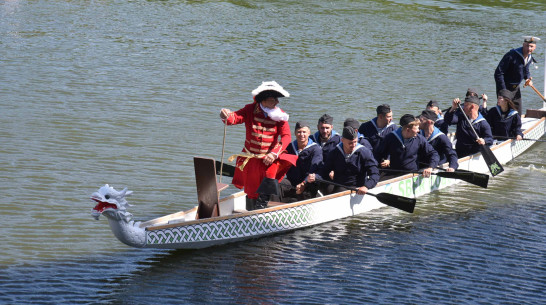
point(270, 86)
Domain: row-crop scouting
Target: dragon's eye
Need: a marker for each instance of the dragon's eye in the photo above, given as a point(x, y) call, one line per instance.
point(107, 196)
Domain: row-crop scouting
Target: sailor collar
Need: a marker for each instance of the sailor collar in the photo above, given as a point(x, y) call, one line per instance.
point(310, 143)
point(510, 114)
point(347, 156)
point(435, 133)
point(379, 130)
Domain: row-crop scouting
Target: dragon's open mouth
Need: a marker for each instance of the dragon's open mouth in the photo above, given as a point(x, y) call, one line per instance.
point(103, 206)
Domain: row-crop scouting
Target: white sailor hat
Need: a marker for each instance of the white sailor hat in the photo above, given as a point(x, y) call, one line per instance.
point(530, 39)
point(270, 86)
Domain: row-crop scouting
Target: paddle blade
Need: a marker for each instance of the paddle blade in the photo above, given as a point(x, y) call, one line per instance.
point(475, 178)
point(492, 163)
point(395, 201)
point(227, 169)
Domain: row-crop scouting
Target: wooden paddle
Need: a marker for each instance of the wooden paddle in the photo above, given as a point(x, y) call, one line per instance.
point(514, 138)
point(400, 202)
point(538, 92)
point(478, 179)
point(492, 163)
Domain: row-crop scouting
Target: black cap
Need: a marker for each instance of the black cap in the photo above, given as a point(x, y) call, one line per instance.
point(352, 123)
point(349, 133)
point(326, 119)
point(267, 93)
point(406, 119)
point(433, 103)
point(471, 90)
point(472, 99)
point(505, 93)
point(429, 115)
point(301, 124)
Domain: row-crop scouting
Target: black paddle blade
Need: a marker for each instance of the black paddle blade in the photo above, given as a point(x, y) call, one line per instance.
point(475, 178)
point(227, 170)
point(492, 163)
point(395, 201)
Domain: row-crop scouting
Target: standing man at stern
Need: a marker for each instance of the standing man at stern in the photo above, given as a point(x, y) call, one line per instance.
point(514, 67)
point(263, 161)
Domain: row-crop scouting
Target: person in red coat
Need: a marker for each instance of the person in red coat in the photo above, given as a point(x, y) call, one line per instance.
point(263, 161)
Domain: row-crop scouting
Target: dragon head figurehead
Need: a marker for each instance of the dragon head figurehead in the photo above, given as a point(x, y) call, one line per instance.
point(110, 201)
point(113, 205)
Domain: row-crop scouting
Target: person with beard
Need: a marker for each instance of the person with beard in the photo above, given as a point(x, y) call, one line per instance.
point(309, 160)
point(326, 137)
point(263, 161)
point(438, 140)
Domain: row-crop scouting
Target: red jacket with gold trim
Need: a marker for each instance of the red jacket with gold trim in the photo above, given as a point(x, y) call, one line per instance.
point(262, 133)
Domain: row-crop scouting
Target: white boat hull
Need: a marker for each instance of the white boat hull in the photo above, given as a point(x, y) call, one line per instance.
point(182, 231)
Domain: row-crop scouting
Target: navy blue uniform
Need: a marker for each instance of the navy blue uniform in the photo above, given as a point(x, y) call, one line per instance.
point(329, 145)
point(466, 139)
point(443, 146)
point(440, 124)
point(512, 70)
point(356, 169)
point(373, 134)
point(309, 160)
point(364, 142)
point(504, 124)
point(405, 154)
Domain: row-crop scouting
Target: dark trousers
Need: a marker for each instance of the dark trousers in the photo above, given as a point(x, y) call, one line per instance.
point(288, 190)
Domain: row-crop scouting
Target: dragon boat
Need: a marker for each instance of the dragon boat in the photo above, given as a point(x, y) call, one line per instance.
point(215, 221)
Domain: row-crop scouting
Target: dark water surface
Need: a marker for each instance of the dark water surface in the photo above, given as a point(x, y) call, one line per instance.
point(127, 92)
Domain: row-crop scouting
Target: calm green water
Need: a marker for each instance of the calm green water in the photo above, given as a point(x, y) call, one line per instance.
point(127, 92)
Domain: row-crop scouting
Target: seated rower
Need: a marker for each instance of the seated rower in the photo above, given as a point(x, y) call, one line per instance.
point(504, 119)
point(439, 141)
point(467, 144)
point(380, 126)
point(405, 148)
point(361, 138)
point(469, 93)
point(352, 163)
point(309, 160)
point(326, 137)
point(434, 106)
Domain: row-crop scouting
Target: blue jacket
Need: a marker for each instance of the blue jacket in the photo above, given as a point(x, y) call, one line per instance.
point(512, 69)
point(327, 146)
point(440, 124)
point(466, 139)
point(504, 124)
point(364, 142)
point(357, 169)
point(406, 155)
point(309, 160)
point(372, 133)
point(443, 146)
